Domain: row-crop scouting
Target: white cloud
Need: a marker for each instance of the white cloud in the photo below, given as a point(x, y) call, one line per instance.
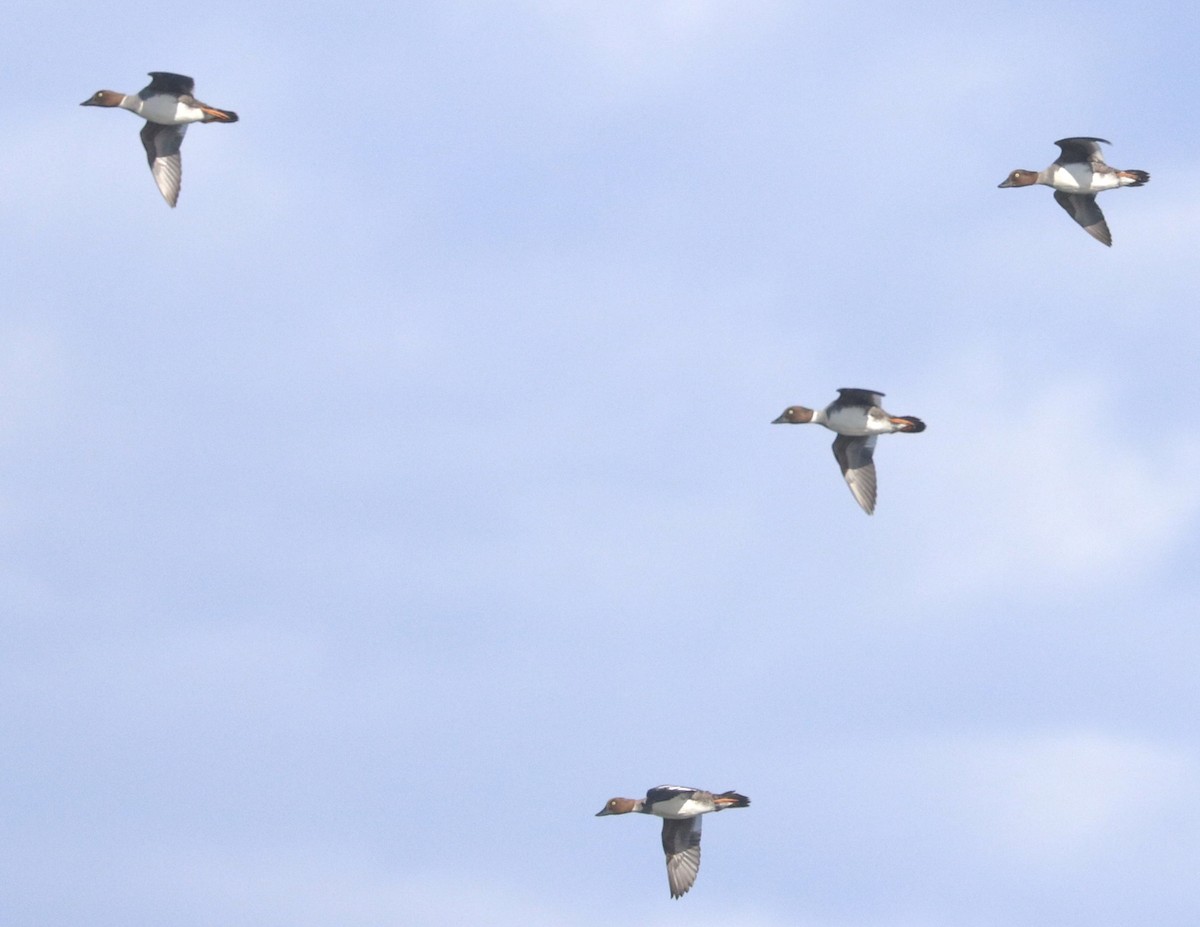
point(1054, 797)
point(633, 39)
point(1047, 487)
point(1158, 229)
point(32, 374)
point(1061, 800)
point(354, 891)
point(289, 885)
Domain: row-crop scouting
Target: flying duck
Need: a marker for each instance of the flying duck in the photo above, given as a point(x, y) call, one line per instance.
point(680, 808)
point(1077, 176)
point(167, 105)
point(858, 419)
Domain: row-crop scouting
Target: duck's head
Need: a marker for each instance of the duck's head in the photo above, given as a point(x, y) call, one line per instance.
point(104, 98)
point(617, 806)
point(1020, 178)
point(794, 415)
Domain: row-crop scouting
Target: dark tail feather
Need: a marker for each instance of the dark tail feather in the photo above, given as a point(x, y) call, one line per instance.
point(730, 800)
point(1139, 178)
point(911, 423)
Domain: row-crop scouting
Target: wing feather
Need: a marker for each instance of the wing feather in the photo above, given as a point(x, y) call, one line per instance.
point(867, 397)
point(1083, 209)
point(162, 151)
point(681, 843)
point(855, 455)
point(1083, 148)
point(166, 82)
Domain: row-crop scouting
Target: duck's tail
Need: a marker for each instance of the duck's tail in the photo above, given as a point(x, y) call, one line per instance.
point(730, 800)
point(1133, 178)
point(908, 423)
point(212, 114)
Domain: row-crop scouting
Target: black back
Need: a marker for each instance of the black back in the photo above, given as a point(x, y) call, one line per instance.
point(166, 82)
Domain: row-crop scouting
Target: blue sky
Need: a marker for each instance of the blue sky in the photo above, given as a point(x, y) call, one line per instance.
point(374, 516)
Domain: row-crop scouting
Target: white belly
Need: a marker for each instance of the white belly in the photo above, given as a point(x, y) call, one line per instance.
point(1080, 178)
point(680, 807)
point(848, 422)
point(168, 111)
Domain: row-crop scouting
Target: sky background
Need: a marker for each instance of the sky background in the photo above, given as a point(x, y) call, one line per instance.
point(370, 519)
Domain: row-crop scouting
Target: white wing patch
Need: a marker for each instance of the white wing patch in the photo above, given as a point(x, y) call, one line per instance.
point(856, 458)
point(162, 151)
point(681, 842)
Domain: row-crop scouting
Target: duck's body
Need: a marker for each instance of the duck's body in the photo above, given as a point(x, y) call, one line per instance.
point(680, 808)
point(168, 107)
point(1077, 176)
point(858, 419)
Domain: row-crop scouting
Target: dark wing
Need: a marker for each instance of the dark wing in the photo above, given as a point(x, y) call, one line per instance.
point(857, 397)
point(1083, 209)
point(162, 151)
point(1075, 150)
point(681, 843)
point(855, 455)
point(666, 793)
point(166, 82)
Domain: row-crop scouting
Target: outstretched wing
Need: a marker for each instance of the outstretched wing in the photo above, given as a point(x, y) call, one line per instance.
point(855, 455)
point(162, 151)
point(1079, 149)
point(1083, 209)
point(681, 843)
point(854, 397)
point(166, 82)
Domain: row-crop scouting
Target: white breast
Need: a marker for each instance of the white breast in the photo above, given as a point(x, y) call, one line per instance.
point(681, 806)
point(848, 421)
point(1080, 178)
point(168, 111)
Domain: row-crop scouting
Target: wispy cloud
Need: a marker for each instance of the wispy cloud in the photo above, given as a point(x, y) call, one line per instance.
point(32, 371)
point(634, 41)
point(1059, 797)
point(1048, 487)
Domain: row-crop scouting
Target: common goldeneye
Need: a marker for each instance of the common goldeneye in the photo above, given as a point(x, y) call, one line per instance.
point(680, 808)
point(857, 418)
point(167, 105)
point(1077, 176)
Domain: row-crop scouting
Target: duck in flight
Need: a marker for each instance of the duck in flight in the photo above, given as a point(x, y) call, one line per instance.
point(680, 808)
point(168, 107)
point(1077, 176)
point(858, 419)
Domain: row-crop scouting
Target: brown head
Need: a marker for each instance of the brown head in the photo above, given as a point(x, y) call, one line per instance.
point(1020, 179)
point(104, 98)
point(618, 806)
point(794, 415)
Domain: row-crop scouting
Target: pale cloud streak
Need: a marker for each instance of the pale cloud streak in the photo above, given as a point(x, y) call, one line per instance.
point(1060, 798)
point(1049, 488)
point(635, 41)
